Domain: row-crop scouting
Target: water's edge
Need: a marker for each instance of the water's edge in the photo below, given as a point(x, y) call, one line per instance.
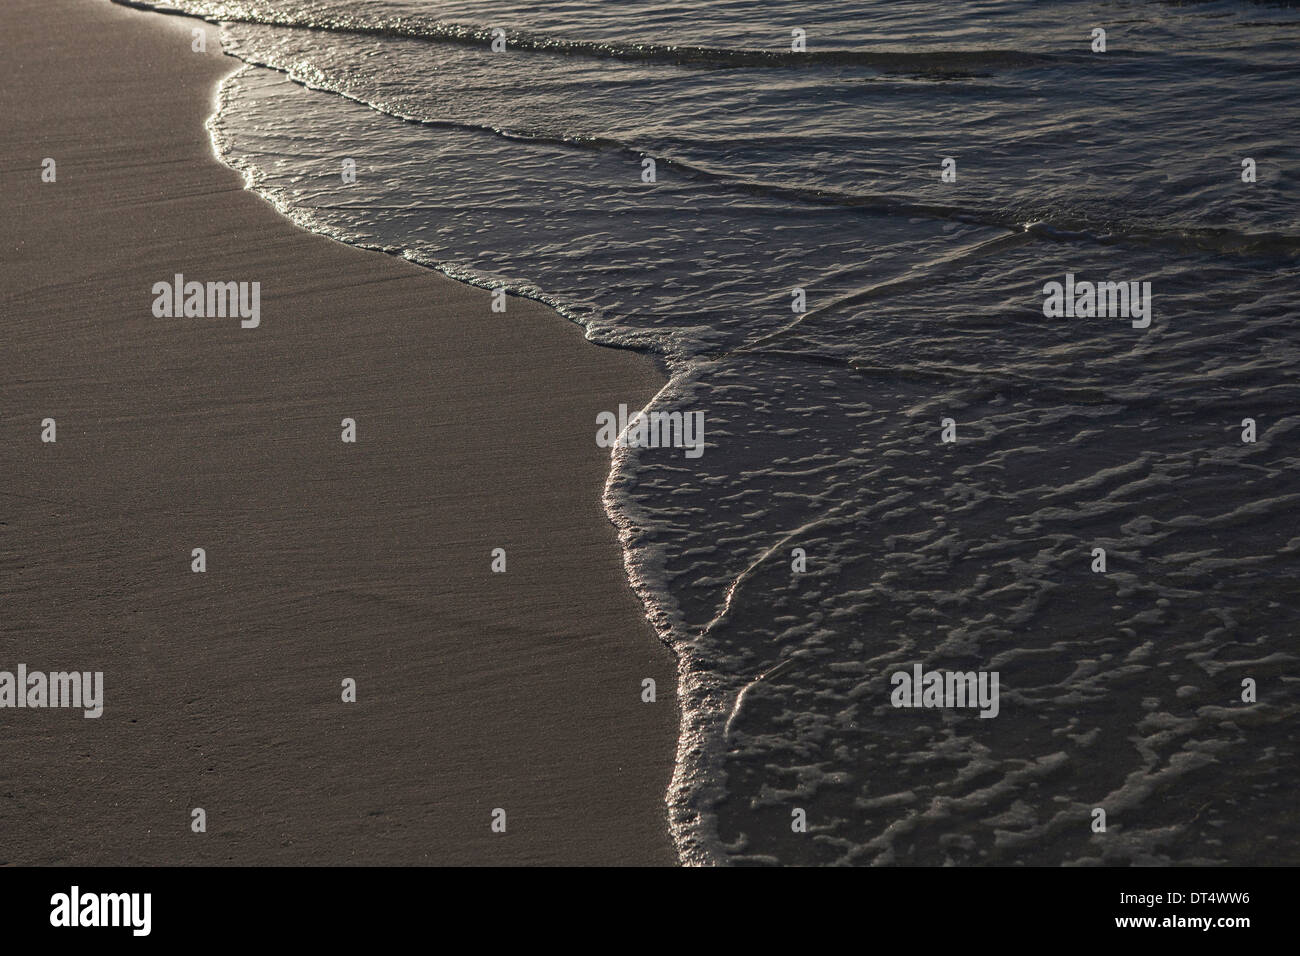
point(690, 795)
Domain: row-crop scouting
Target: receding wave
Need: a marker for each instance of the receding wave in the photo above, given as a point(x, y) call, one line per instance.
point(1219, 239)
point(942, 62)
point(1049, 226)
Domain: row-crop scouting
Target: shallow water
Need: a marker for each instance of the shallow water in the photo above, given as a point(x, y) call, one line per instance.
point(778, 170)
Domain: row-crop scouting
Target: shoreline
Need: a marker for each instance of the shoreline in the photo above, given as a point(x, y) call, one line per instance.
point(474, 690)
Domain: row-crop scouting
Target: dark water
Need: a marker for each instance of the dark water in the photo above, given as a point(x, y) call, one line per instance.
point(820, 170)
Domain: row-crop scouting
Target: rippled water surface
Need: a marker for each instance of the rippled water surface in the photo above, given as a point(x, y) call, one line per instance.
point(820, 170)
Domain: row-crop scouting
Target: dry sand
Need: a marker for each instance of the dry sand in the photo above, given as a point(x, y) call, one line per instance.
point(325, 560)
